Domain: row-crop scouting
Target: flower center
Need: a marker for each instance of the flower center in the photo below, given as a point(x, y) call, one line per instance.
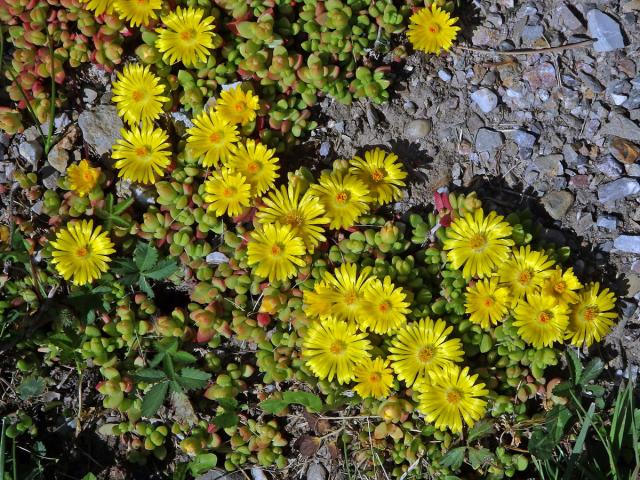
point(141, 151)
point(275, 250)
point(560, 287)
point(477, 242)
point(374, 377)
point(293, 219)
point(227, 192)
point(239, 107)
point(253, 167)
point(88, 176)
point(342, 197)
point(488, 302)
point(377, 175)
point(433, 28)
point(337, 347)
point(454, 396)
point(82, 252)
point(187, 35)
point(137, 95)
point(525, 277)
point(590, 314)
point(350, 298)
point(544, 317)
point(425, 354)
point(384, 307)
point(215, 137)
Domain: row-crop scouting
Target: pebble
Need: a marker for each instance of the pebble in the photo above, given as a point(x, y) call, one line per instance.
point(523, 138)
point(633, 170)
point(618, 189)
point(488, 140)
point(58, 158)
point(485, 99)
point(608, 222)
point(568, 18)
point(50, 181)
point(606, 30)
point(550, 165)
point(609, 166)
point(325, 149)
point(624, 151)
point(627, 243)
point(258, 474)
point(100, 127)
point(541, 76)
point(31, 151)
point(410, 107)
point(618, 99)
point(531, 33)
point(557, 203)
point(445, 75)
point(417, 129)
point(316, 472)
point(621, 126)
point(89, 95)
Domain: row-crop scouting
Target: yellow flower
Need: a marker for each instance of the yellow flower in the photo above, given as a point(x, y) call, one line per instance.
point(99, 6)
point(451, 396)
point(238, 106)
point(487, 302)
point(432, 30)
point(373, 378)
point(344, 197)
point(541, 321)
point(525, 272)
point(257, 163)
point(318, 302)
point(142, 154)
point(276, 251)
point(227, 192)
point(332, 349)
point(81, 254)
point(421, 347)
point(305, 215)
point(137, 12)
point(592, 317)
point(138, 94)
point(82, 177)
point(384, 308)
point(212, 137)
point(479, 243)
point(188, 37)
point(348, 290)
point(381, 172)
point(562, 286)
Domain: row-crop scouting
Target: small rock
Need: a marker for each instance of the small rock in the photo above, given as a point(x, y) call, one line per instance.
point(608, 222)
point(541, 76)
point(339, 126)
point(633, 170)
point(488, 140)
point(485, 99)
point(557, 204)
point(58, 158)
point(621, 126)
point(31, 151)
point(445, 75)
point(325, 149)
point(618, 99)
point(410, 107)
point(618, 189)
point(61, 121)
point(531, 33)
point(100, 127)
point(624, 151)
point(258, 474)
point(50, 180)
point(89, 95)
point(627, 243)
point(550, 165)
point(606, 30)
point(37, 207)
point(316, 472)
point(217, 258)
point(417, 129)
point(523, 138)
point(609, 166)
point(568, 18)
point(182, 118)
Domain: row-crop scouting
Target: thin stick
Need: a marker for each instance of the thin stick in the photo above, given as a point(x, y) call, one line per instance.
point(528, 51)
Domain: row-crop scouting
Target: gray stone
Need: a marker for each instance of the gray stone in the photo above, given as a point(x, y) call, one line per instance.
point(316, 472)
point(550, 165)
point(58, 158)
point(606, 30)
point(633, 170)
point(531, 33)
point(325, 149)
point(608, 222)
point(621, 126)
point(31, 151)
point(557, 203)
point(619, 99)
point(50, 181)
point(100, 127)
point(568, 18)
point(417, 129)
point(89, 95)
point(410, 107)
point(618, 189)
point(627, 243)
point(445, 75)
point(258, 474)
point(488, 140)
point(523, 138)
point(609, 166)
point(485, 99)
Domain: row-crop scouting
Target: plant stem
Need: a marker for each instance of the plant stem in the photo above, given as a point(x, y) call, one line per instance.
point(52, 105)
point(14, 462)
point(2, 444)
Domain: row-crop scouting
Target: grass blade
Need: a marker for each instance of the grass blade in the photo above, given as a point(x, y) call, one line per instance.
point(3, 438)
point(579, 445)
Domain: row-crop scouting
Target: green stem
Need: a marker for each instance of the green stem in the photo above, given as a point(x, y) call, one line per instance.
point(2, 445)
point(14, 461)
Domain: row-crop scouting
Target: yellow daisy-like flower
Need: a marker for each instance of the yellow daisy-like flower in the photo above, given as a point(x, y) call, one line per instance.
point(382, 173)
point(142, 154)
point(344, 197)
point(332, 349)
point(99, 6)
point(238, 106)
point(257, 163)
point(81, 254)
point(304, 213)
point(452, 396)
point(487, 302)
point(373, 378)
point(188, 37)
point(138, 94)
point(276, 251)
point(348, 290)
point(82, 177)
point(525, 272)
point(318, 302)
point(227, 192)
point(479, 243)
point(592, 317)
point(212, 138)
point(422, 347)
point(541, 321)
point(137, 12)
point(562, 286)
point(384, 308)
point(432, 30)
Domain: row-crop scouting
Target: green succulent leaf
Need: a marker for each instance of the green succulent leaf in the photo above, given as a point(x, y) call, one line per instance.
point(202, 463)
point(309, 400)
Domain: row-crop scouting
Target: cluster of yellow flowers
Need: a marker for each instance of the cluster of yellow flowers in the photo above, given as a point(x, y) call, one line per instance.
point(549, 304)
point(346, 305)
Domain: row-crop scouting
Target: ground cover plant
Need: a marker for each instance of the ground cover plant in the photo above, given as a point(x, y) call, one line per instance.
point(230, 309)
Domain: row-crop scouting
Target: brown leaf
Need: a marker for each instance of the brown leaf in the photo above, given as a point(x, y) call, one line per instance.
point(316, 424)
point(307, 445)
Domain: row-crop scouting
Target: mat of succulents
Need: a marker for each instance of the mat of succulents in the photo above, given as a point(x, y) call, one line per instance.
point(319, 239)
